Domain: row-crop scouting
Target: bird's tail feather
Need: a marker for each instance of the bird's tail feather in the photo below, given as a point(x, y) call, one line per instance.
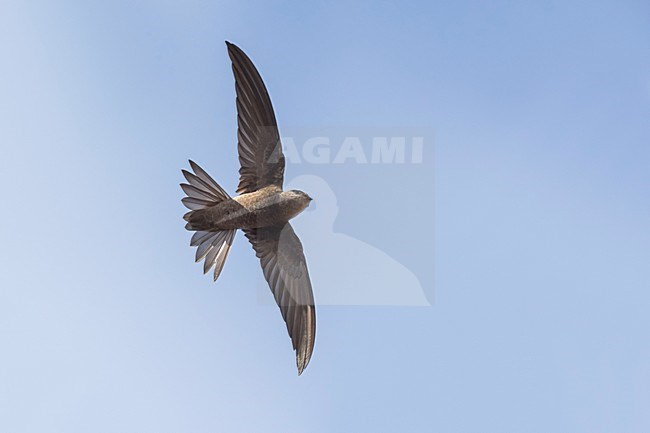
point(202, 192)
point(214, 248)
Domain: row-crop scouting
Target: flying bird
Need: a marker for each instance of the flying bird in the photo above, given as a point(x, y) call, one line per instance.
point(262, 209)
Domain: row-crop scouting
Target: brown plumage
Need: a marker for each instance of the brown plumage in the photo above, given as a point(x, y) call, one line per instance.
point(262, 210)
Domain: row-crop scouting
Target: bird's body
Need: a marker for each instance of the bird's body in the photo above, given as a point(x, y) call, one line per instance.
point(269, 206)
point(262, 210)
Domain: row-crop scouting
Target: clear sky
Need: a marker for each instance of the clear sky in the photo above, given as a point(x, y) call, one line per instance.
point(526, 224)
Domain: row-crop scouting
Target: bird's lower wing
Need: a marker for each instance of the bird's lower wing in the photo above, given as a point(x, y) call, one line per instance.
point(285, 269)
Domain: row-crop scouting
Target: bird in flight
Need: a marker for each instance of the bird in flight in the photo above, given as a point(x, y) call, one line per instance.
point(262, 209)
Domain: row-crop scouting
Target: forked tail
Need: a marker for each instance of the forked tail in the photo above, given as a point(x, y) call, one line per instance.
point(203, 192)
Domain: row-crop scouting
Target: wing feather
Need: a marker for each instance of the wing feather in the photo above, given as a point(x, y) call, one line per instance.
point(259, 147)
point(285, 269)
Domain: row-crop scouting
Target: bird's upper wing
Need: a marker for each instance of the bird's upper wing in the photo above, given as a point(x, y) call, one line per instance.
point(285, 269)
point(260, 150)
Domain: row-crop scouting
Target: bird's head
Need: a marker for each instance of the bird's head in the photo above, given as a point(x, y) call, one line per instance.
point(297, 201)
point(300, 196)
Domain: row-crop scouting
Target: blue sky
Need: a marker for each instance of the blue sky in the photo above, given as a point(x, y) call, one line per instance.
point(527, 222)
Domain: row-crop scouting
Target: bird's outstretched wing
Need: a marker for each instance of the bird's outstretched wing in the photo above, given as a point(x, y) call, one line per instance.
point(260, 150)
point(285, 269)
